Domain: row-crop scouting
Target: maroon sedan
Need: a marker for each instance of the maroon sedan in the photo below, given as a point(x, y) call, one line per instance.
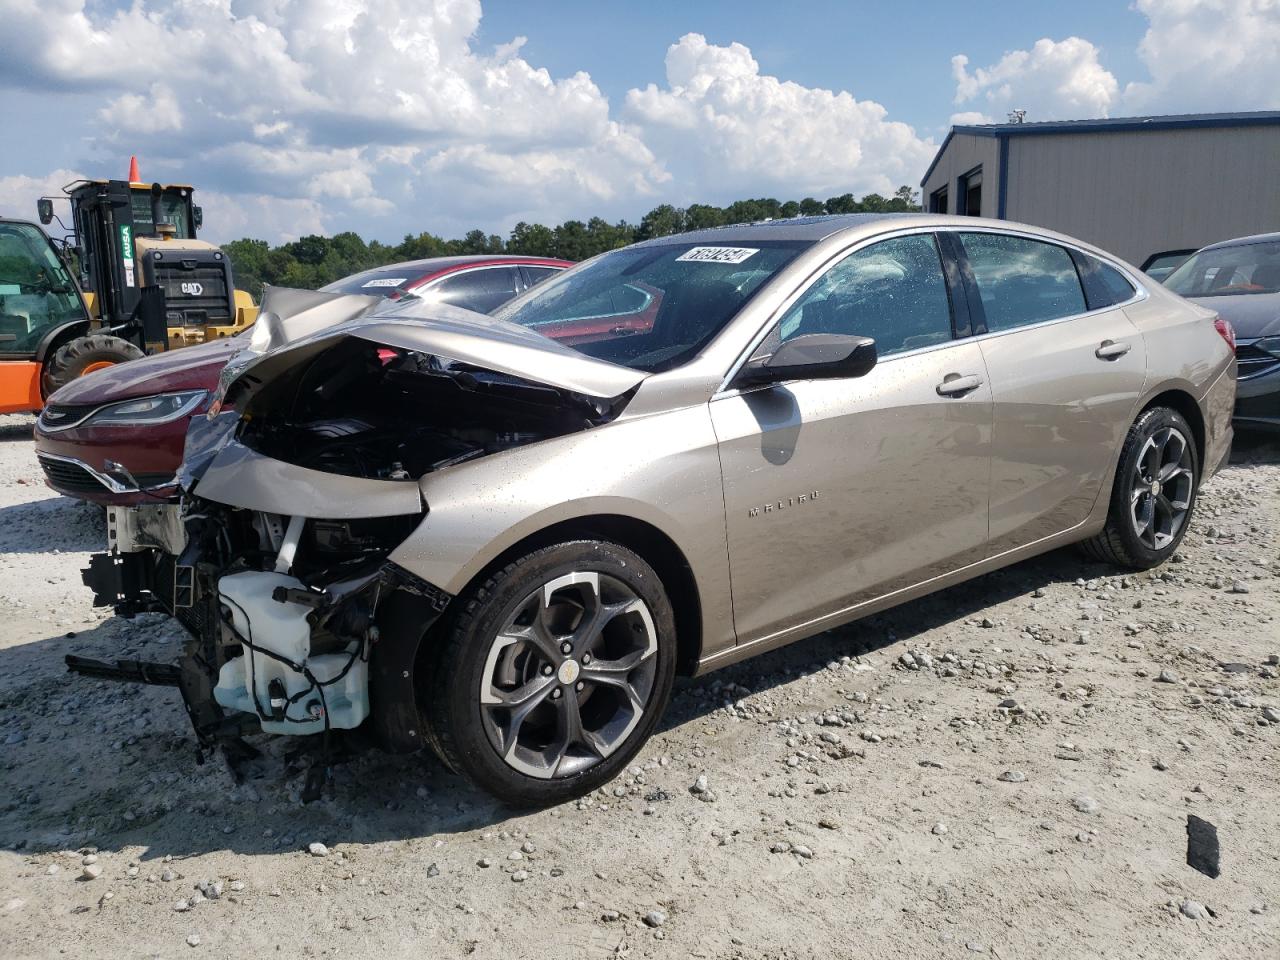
point(116, 436)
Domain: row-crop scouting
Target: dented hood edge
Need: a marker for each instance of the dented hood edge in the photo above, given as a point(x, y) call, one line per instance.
point(453, 334)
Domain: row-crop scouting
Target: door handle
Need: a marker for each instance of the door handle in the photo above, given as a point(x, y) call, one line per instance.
point(955, 385)
point(1111, 350)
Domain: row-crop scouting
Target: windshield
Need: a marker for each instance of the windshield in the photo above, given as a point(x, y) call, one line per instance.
point(381, 282)
point(1225, 271)
point(36, 291)
point(649, 308)
point(173, 209)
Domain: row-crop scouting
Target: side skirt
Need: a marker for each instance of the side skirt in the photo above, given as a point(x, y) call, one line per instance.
point(1080, 531)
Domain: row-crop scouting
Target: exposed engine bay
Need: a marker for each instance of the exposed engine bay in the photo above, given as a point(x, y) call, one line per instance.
point(382, 413)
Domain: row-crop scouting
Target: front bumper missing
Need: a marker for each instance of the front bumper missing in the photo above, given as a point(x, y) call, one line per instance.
point(150, 580)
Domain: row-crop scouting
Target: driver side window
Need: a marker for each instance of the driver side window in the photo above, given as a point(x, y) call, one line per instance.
point(893, 291)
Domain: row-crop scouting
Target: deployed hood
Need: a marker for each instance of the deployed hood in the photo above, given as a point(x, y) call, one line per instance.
point(1251, 314)
point(450, 334)
point(190, 368)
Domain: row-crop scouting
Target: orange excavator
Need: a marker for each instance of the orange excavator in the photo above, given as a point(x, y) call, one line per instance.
point(131, 279)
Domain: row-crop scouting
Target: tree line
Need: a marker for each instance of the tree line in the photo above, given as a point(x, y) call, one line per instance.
point(314, 261)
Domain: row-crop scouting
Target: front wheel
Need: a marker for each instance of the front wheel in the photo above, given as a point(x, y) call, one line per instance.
point(1154, 493)
point(552, 673)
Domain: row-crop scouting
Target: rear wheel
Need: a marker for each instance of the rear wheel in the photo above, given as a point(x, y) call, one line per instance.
point(84, 355)
point(552, 673)
point(1154, 493)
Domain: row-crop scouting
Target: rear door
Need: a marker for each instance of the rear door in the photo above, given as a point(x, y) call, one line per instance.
point(1067, 367)
point(840, 491)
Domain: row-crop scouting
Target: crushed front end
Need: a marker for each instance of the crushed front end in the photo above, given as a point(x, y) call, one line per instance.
point(298, 485)
point(296, 626)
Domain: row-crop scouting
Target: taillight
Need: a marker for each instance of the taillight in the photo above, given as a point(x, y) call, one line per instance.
point(1227, 332)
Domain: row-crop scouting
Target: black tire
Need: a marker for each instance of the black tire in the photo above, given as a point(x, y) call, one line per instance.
point(462, 659)
point(1120, 541)
point(75, 357)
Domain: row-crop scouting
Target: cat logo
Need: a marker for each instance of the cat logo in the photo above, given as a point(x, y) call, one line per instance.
point(193, 289)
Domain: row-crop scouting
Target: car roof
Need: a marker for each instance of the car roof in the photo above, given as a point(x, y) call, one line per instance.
point(1244, 241)
point(815, 229)
point(436, 264)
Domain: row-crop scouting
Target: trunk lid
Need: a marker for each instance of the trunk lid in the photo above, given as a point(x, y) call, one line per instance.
point(1252, 315)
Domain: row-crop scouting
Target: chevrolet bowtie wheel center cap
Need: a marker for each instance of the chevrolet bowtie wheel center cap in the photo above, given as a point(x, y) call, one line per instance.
point(568, 672)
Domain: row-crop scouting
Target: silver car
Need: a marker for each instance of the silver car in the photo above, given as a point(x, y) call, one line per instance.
point(504, 536)
point(1240, 280)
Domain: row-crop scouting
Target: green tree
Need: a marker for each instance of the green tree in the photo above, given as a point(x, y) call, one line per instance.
point(699, 216)
point(661, 221)
point(532, 240)
point(842, 204)
point(314, 261)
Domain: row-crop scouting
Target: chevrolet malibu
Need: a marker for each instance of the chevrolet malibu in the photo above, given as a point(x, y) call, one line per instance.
point(452, 531)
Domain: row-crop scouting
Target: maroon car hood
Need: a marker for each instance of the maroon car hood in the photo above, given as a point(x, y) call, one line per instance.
point(190, 368)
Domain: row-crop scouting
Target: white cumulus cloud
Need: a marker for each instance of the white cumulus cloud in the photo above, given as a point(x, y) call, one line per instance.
point(1208, 55)
point(1054, 80)
point(722, 126)
point(18, 193)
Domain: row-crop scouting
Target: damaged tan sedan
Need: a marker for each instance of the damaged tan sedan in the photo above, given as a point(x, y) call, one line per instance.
point(502, 537)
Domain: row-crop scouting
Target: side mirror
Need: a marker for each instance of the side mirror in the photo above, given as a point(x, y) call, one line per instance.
point(45, 207)
point(197, 216)
point(813, 356)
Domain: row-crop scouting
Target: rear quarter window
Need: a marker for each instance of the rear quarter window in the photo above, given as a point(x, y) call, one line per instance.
point(1104, 285)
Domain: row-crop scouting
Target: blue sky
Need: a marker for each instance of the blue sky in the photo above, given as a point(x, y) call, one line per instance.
point(396, 116)
point(891, 52)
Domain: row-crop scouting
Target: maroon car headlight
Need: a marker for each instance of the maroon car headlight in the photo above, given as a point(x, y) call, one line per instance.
point(146, 411)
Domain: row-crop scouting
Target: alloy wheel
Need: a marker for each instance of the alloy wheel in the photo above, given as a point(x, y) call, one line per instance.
point(569, 676)
point(1163, 481)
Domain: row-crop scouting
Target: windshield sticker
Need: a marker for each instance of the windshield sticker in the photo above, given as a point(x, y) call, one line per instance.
point(386, 282)
point(717, 254)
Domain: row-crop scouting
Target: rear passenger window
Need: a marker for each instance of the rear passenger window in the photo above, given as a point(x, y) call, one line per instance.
point(1104, 285)
point(892, 291)
point(1022, 281)
point(480, 290)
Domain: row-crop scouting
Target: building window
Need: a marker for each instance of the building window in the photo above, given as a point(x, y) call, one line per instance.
point(938, 201)
point(969, 193)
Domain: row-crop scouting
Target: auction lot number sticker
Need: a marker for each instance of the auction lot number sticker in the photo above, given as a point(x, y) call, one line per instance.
point(717, 254)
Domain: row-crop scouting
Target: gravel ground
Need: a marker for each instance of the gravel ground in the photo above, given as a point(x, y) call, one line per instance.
point(1007, 768)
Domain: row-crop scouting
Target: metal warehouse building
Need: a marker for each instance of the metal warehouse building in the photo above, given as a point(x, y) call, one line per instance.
point(1134, 186)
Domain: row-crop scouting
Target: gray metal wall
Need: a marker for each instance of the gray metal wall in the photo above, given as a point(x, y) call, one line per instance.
point(1134, 194)
point(965, 152)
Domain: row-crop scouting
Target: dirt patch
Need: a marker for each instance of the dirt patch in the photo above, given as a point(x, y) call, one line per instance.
point(1007, 767)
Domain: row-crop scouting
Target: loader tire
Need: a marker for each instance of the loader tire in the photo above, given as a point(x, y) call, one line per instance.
point(85, 355)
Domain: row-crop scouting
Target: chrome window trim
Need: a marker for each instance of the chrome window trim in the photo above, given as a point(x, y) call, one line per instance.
point(1141, 293)
point(113, 485)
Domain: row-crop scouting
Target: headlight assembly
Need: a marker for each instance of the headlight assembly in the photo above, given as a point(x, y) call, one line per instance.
point(163, 408)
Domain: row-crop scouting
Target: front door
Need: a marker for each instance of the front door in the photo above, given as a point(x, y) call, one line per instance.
point(839, 491)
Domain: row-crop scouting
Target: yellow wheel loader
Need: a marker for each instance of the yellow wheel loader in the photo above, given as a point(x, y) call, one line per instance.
point(148, 284)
